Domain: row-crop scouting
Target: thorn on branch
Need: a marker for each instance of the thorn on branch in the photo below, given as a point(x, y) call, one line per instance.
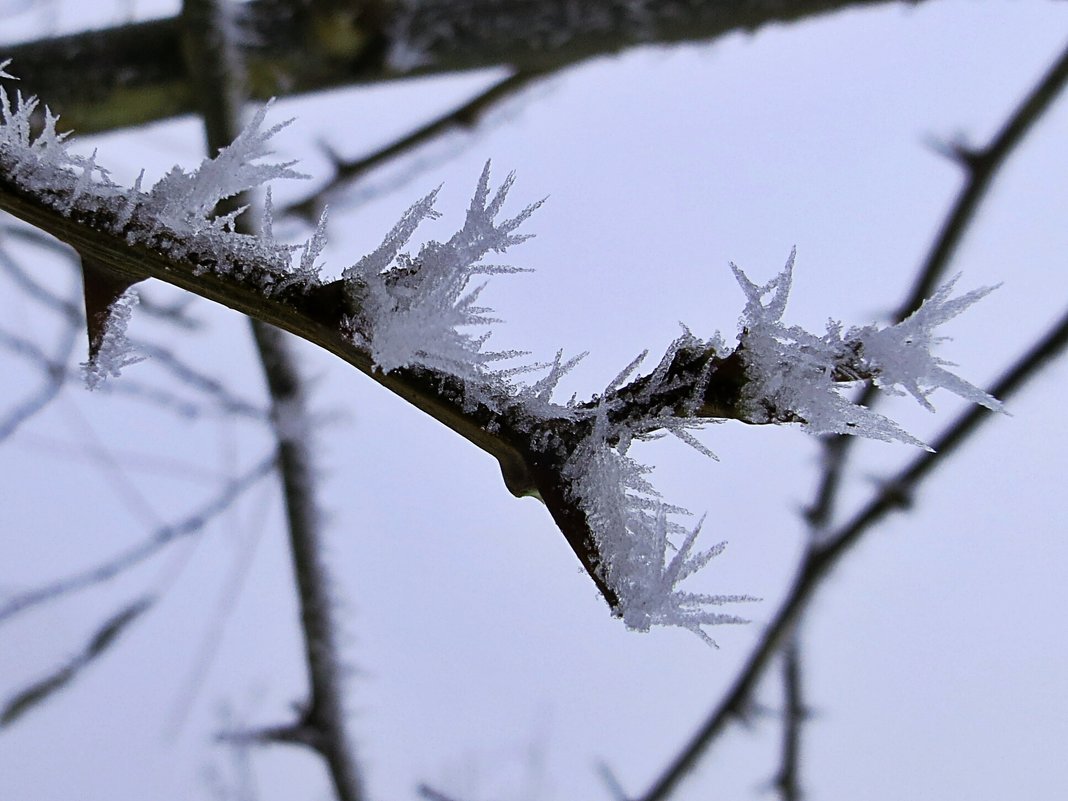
point(972, 160)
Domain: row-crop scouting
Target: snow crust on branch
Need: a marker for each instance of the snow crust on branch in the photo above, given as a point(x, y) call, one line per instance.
point(176, 215)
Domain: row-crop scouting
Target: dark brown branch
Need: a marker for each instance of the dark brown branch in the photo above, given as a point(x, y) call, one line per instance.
point(139, 75)
point(819, 561)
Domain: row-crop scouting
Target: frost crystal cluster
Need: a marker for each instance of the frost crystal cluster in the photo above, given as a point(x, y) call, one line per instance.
point(422, 311)
point(789, 369)
point(114, 352)
point(632, 523)
point(417, 309)
point(177, 215)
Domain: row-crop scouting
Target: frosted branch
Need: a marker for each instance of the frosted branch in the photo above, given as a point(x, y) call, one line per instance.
point(414, 323)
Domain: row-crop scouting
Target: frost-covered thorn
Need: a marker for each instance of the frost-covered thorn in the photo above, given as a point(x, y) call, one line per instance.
point(110, 351)
point(3, 70)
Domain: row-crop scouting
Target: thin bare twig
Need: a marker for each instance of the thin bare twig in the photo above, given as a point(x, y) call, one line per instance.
point(468, 115)
point(981, 166)
point(106, 636)
point(134, 556)
point(788, 779)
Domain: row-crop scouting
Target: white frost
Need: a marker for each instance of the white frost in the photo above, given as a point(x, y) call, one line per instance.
point(115, 350)
point(634, 528)
point(795, 371)
point(417, 310)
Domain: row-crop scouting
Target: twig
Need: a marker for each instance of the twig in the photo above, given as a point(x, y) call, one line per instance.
point(53, 368)
point(131, 557)
point(202, 382)
point(788, 781)
point(430, 794)
point(982, 166)
point(465, 116)
point(40, 691)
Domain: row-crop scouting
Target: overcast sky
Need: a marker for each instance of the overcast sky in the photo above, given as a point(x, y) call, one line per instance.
point(485, 663)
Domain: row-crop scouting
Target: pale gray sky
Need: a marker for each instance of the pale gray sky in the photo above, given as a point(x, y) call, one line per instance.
point(485, 662)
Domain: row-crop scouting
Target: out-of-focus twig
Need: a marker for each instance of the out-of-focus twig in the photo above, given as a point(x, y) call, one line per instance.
point(981, 167)
point(787, 781)
point(215, 67)
point(465, 116)
point(825, 549)
point(53, 368)
point(106, 636)
point(188, 526)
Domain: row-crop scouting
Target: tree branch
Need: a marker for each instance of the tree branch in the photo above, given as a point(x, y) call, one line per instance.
point(131, 557)
point(794, 714)
point(139, 73)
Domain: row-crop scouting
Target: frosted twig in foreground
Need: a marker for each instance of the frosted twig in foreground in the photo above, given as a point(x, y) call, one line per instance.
point(114, 351)
point(414, 324)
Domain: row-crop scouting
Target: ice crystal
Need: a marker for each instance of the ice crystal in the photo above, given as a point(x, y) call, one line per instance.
point(115, 352)
point(415, 310)
point(633, 528)
point(185, 201)
point(791, 372)
point(900, 355)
